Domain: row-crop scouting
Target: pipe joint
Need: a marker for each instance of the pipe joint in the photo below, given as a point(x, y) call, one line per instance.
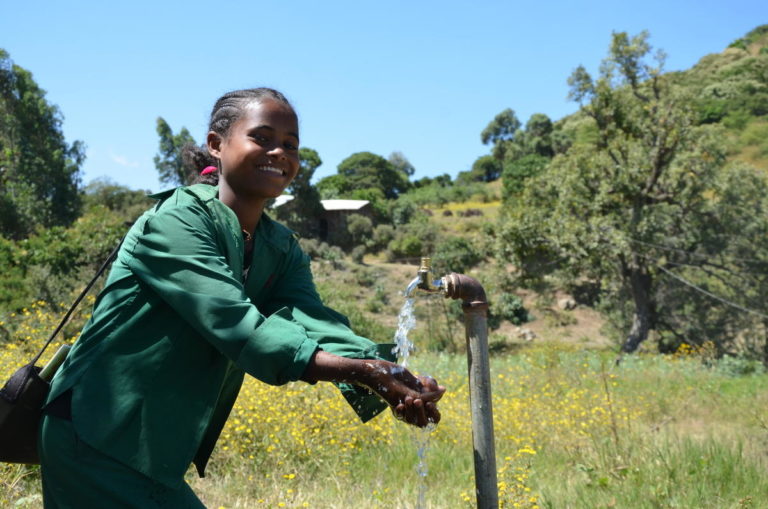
point(466, 288)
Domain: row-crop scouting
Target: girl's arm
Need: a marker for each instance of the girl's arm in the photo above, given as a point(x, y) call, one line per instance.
point(412, 399)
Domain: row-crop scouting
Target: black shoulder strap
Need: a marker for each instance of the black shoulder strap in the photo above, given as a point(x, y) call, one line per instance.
point(79, 298)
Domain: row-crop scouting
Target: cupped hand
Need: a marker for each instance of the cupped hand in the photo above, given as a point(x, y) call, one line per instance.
point(413, 399)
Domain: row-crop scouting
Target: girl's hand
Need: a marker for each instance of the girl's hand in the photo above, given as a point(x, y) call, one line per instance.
point(412, 399)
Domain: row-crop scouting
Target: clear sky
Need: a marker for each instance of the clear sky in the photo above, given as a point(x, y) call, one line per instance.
point(419, 77)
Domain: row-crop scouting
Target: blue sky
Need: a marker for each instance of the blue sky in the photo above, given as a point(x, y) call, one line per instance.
point(419, 77)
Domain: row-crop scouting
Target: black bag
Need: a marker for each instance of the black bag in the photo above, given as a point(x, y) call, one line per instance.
point(23, 395)
point(21, 403)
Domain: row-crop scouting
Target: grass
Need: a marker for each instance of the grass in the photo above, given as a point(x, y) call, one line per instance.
point(572, 431)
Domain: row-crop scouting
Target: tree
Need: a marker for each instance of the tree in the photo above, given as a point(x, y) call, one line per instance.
point(367, 170)
point(502, 128)
point(484, 169)
point(117, 198)
point(538, 135)
point(334, 186)
point(644, 206)
point(302, 213)
point(168, 161)
point(517, 172)
point(401, 164)
point(39, 171)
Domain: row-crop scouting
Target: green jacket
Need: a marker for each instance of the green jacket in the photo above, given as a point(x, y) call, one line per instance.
point(157, 369)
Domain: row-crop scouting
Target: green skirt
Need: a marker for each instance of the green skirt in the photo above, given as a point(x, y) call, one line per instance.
point(77, 476)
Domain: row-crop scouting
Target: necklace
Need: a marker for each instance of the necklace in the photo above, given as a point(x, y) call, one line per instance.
point(246, 235)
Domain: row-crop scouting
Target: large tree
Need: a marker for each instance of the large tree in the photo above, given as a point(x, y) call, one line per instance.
point(170, 164)
point(365, 170)
point(401, 163)
point(644, 210)
point(39, 170)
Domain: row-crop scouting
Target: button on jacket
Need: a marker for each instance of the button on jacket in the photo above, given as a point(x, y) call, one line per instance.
point(158, 367)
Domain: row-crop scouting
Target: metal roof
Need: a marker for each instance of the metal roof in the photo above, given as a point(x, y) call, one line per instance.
point(327, 204)
point(343, 204)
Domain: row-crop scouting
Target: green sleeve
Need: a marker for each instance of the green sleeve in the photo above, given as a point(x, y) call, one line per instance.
point(330, 329)
point(179, 256)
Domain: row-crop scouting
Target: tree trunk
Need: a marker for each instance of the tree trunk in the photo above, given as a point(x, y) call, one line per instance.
point(642, 319)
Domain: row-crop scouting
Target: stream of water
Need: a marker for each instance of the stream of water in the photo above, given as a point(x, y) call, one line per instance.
point(406, 321)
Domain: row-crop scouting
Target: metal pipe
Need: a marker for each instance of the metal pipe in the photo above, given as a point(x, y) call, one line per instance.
point(475, 306)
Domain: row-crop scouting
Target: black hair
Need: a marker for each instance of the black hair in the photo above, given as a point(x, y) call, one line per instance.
point(227, 110)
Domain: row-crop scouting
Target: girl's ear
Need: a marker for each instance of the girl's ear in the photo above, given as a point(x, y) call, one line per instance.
point(213, 141)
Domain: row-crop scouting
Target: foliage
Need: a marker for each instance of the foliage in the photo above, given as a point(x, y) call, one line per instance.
point(53, 263)
point(302, 212)
point(401, 163)
point(39, 170)
point(117, 198)
point(360, 228)
point(644, 207)
point(503, 127)
point(484, 169)
point(365, 170)
point(171, 167)
point(412, 241)
point(732, 84)
point(439, 194)
point(509, 306)
point(569, 426)
point(333, 187)
point(518, 171)
point(455, 254)
point(357, 254)
point(382, 235)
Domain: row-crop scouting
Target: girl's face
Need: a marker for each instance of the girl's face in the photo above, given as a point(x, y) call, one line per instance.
point(260, 155)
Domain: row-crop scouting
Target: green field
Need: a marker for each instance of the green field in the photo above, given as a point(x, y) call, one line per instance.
point(572, 431)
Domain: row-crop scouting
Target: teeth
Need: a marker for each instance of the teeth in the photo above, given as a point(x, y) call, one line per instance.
point(271, 169)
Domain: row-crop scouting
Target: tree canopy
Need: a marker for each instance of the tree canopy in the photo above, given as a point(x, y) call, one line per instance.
point(171, 167)
point(642, 205)
point(39, 170)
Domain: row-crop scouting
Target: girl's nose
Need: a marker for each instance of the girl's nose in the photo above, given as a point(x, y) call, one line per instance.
point(277, 152)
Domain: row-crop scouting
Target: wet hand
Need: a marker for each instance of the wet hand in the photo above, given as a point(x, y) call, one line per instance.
point(413, 399)
point(421, 411)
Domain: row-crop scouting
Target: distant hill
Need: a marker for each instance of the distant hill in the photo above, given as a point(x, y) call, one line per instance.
point(728, 88)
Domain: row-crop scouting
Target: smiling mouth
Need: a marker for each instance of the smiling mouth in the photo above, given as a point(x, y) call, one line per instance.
point(272, 170)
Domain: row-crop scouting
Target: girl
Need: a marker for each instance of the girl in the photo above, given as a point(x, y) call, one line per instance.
point(205, 288)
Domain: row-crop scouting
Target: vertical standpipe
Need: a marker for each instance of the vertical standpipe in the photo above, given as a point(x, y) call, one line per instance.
point(475, 306)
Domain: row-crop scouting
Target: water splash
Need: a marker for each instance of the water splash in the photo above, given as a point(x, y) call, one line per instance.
point(421, 438)
point(405, 322)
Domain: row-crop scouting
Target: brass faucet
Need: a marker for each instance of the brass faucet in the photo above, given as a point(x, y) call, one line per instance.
point(424, 275)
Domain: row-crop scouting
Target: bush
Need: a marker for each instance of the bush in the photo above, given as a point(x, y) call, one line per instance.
point(382, 236)
point(406, 246)
point(510, 307)
point(360, 228)
point(311, 247)
point(518, 171)
point(455, 254)
point(403, 212)
point(357, 254)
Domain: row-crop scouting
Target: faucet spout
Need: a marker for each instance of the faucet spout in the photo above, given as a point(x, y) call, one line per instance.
point(426, 283)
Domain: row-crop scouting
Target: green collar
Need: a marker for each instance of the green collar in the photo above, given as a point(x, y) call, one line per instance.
point(271, 231)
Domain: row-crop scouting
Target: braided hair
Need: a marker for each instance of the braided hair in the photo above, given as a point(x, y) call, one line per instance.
point(227, 110)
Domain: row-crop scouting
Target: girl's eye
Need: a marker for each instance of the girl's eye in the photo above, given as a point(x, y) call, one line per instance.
point(259, 138)
point(291, 146)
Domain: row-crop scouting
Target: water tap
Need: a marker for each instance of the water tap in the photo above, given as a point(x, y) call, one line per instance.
point(424, 276)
